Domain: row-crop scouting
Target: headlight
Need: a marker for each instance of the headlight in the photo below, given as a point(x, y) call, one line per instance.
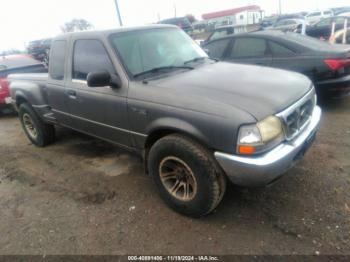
point(258, 138)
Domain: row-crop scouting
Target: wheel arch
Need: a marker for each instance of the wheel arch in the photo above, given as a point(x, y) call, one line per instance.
point(169, 127)
point(20, 98)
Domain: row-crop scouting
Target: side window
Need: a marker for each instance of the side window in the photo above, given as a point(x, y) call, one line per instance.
point(249, 47)
point(314, 14)
point(218, 34)
point(324, 22)
point(90, 56)
point(340, 20)
point(280, 23)
point(278, 50)
point(217, 48)
point(57, 59)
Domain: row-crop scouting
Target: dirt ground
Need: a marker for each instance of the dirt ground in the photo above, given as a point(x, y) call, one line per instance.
point(84, 196)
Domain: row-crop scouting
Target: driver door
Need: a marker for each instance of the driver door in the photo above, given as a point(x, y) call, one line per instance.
point(98, 111)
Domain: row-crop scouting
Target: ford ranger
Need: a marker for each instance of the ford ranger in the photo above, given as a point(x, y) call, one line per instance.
point(195, 121)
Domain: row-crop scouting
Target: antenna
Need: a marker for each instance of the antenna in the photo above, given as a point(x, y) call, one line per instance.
point(118, 12)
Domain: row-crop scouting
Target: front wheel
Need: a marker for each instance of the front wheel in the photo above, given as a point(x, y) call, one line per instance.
point(37, 131)
point(186, 175)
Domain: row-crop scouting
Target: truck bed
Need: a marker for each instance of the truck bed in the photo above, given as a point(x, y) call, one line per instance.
point(38, 77)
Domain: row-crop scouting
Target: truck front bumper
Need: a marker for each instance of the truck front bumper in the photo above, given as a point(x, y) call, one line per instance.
point(265, 169)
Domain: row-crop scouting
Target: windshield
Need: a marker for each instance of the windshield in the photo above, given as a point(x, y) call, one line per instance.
point(142, 51)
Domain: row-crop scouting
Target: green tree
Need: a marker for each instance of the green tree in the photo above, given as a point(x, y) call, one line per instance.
point(76, 25)
point(191, 18)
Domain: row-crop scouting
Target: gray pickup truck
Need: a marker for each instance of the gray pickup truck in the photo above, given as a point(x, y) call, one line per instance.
point(195, 121)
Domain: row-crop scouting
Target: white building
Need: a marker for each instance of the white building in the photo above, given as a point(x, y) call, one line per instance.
point(247, 15)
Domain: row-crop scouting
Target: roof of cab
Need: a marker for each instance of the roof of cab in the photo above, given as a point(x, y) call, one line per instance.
point(114, 31)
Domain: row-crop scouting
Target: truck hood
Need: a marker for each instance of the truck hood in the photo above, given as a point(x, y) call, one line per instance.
point(212, 88)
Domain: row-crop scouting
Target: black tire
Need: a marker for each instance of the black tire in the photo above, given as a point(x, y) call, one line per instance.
point(45, 133)
point(210, 182)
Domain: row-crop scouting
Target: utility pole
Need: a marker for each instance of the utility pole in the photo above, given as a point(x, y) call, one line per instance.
point(280, 7)
point(118, 12)
point(175, 9)
point(317, 5)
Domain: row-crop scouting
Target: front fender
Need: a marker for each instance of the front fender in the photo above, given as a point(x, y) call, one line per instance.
point(178, 126)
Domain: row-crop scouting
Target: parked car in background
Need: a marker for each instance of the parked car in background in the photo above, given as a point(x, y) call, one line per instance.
point(195, 121)
point(200, 26)
point(347, 14)
point(340, 10)
point(288, 25)
point(268, 22)
point(338, 37)
point(39, 49)
point(290, 16)
point(181, 22)
point(15, 64)
point(323, 29)
point(328, 66)
point(316, 16)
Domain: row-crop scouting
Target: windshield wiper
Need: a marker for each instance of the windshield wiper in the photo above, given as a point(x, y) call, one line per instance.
point(195, 60)
point(200, 59)
point(161, 68)
point(214, 59)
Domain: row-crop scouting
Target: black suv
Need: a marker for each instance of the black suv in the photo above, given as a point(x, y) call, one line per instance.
point(39, 49)
point(181, 22)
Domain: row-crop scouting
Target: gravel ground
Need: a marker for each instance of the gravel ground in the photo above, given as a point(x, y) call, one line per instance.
point(84, 196)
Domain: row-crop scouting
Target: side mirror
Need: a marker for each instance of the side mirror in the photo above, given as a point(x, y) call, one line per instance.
point(103, 78)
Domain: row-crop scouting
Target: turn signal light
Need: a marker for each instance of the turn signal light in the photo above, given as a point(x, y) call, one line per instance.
point(4, 86)
point(246, 150)
point(335, 64)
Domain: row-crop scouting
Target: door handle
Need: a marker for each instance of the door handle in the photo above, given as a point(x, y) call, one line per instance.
point(138, 110)
point(72, 94)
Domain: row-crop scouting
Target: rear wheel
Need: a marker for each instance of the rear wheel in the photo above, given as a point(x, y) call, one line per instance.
point(37, 131)
point(186, 175)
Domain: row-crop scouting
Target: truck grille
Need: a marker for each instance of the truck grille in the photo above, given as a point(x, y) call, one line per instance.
point(297, 117)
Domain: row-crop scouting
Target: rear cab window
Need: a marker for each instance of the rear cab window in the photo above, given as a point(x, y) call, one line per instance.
point(57, 60)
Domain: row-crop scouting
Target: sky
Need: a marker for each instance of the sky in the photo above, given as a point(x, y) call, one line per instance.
point(24, 20)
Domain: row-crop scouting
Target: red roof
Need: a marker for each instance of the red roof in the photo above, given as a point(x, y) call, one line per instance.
point(231, 12)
